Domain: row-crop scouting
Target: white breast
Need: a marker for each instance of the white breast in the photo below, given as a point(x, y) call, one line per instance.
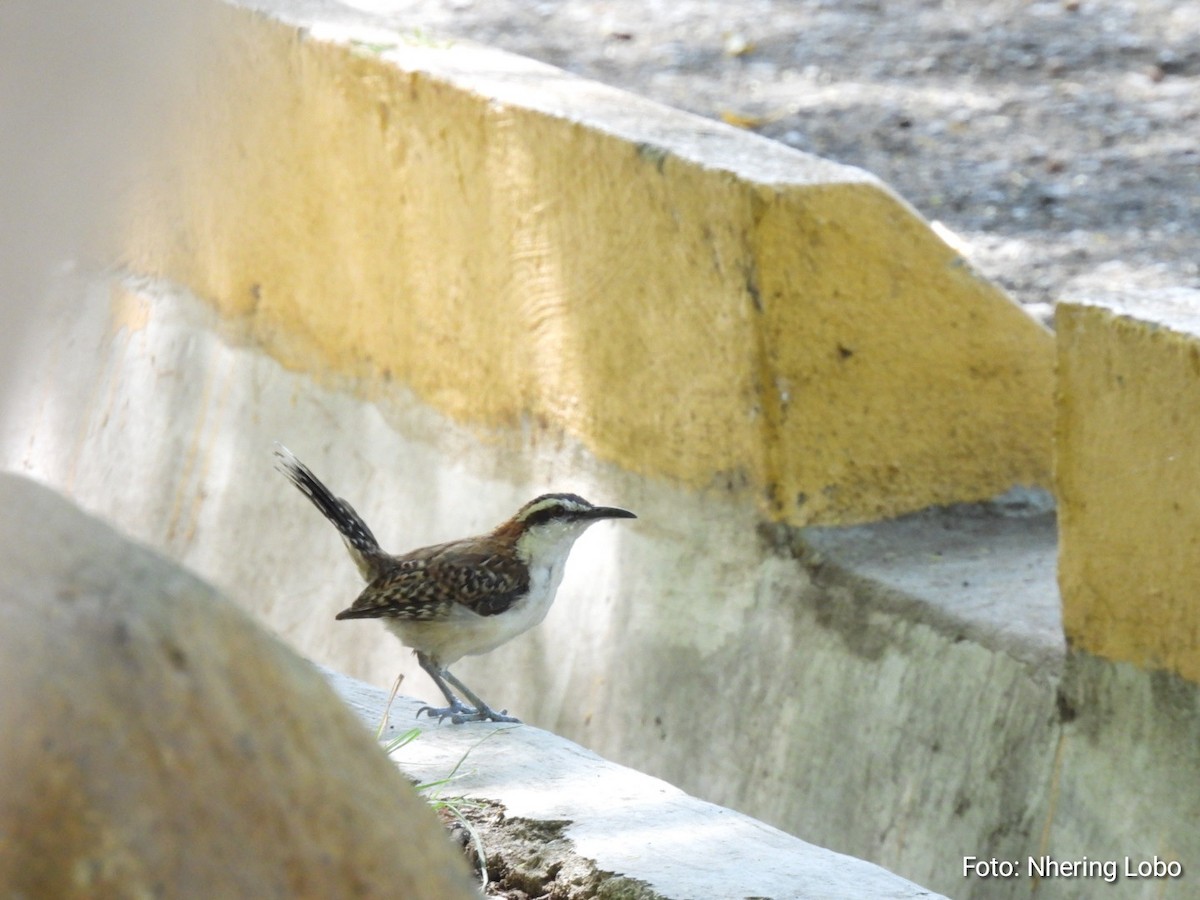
point(466, 633)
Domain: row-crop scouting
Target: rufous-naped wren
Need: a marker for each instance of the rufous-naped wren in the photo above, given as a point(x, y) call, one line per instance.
point(464, 597)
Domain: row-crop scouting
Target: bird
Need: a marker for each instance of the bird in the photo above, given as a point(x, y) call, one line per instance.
point(464, 597)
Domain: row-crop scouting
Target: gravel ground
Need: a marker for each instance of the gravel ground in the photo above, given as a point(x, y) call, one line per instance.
point(1058, 141)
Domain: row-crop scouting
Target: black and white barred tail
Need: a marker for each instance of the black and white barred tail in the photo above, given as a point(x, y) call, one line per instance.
point(360, 541)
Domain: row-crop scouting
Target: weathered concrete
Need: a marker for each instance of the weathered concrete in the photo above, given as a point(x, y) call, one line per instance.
point(514, 244)
point(908, 683)
point(618, 820)
point(205, 759)
point(1127, 463)
point(632, 661)
point(1054, 759)
point(157, 743)
point(868, 706)
point(847, 687)
point(1125, 777)
point(983, 571)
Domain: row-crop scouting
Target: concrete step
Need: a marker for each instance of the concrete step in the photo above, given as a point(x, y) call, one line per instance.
point(567, 822)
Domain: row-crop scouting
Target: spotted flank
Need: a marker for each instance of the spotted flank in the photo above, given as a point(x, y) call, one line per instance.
point(423, 588)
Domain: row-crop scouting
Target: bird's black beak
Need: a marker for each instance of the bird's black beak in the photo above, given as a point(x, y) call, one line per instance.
point(610, 512)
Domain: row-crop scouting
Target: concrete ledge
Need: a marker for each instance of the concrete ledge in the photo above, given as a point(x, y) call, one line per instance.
point(1128, 458)
point(883, 678)
point(912, 720)
point(981, 571)
point(144, 409)
point(619, 821)
point(1018, 750)
point(517, 245)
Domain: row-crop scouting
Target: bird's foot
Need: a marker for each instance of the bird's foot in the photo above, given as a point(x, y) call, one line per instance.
point(485, 714)
point(458, 713)
point(455, 711)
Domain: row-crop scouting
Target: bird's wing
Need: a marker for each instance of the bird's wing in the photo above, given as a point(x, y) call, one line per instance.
point(425, 584)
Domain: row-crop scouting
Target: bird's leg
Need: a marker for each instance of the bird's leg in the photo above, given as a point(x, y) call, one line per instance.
point(457, 709)
point(458, 712)
point(482, 711)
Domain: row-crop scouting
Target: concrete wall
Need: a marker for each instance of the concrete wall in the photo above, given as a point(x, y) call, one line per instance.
point(685, 300)
point(1127, 463)
point(692, 644)
point(1124, 779)
point(1129, 407)
point(449, 280)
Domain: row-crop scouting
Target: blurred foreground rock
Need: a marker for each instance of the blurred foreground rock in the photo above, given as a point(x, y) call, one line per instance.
point(158, 743)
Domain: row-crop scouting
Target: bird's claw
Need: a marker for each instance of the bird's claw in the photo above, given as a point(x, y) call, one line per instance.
point(460, 713)
point(454, 713)
point(487, 714)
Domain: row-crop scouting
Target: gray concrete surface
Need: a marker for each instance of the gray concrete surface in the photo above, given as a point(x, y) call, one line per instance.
point(838, 684)
point(984, 571)
point(843, 686)
point(692, 645)
point(619, 820)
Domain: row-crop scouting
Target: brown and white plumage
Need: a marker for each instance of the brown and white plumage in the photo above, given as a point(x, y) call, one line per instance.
point(463, 597)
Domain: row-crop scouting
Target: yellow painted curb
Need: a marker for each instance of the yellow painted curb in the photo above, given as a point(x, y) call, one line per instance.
point(515, 244)
point(1127, 468)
